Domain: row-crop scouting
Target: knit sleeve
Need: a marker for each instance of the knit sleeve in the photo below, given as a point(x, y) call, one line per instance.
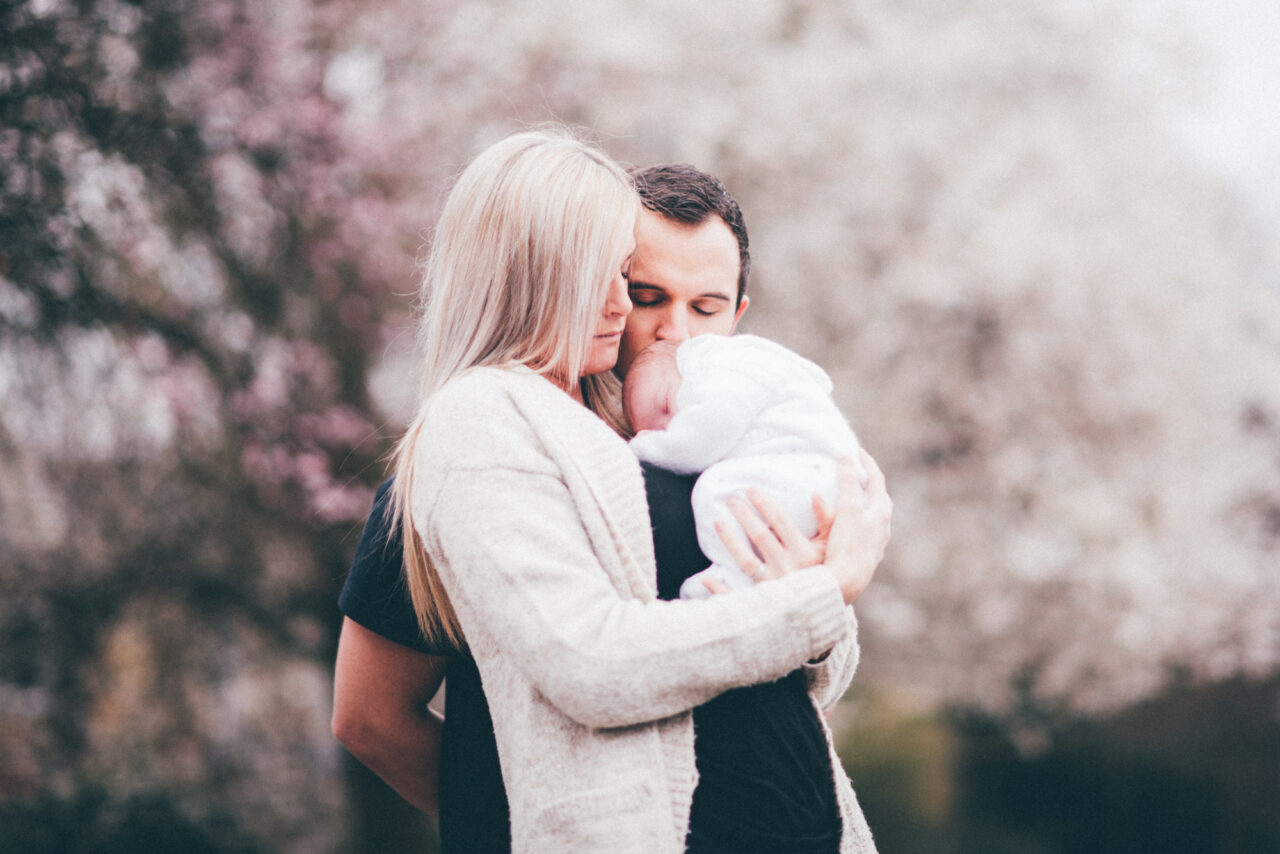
point(829, 678)
point(520, 570)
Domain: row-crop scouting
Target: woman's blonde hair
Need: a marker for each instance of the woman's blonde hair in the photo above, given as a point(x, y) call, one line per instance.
point(516, 275)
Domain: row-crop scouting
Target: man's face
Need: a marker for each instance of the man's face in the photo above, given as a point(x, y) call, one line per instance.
point(683, 282)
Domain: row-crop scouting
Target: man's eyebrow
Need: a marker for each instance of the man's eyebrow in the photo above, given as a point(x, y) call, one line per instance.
point(645, 286)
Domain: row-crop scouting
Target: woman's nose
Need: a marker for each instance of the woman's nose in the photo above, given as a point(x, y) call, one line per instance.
point(619, 300)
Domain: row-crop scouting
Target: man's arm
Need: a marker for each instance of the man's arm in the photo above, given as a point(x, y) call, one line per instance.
point(380, 695)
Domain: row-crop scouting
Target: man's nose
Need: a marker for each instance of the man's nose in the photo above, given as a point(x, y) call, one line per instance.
point(674, 326)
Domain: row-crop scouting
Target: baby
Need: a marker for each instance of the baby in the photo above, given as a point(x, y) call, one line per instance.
point(745, 412)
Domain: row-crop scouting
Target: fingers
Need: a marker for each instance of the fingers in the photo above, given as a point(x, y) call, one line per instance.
point(853, 532)
point(875, 477)
point(715, 586)
point(766, 543)
point(783, 526)
point(741, 553)
point(825, 516)
point(860, 531)
point(849, 490)
point(877, 493)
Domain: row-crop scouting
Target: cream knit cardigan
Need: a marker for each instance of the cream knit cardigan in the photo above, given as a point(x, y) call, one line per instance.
point(534, 512)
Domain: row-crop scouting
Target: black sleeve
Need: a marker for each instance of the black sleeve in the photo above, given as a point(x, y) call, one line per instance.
point(376, 595)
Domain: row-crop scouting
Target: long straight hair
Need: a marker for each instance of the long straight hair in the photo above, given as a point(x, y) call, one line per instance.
point(516, 275)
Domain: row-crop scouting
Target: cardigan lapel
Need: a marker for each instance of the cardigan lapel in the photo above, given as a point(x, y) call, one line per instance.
point(603, 478)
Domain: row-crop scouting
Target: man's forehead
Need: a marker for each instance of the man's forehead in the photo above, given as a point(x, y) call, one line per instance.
point(698, 260)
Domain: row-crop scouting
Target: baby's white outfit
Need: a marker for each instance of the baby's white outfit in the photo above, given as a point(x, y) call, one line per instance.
point(749, 413)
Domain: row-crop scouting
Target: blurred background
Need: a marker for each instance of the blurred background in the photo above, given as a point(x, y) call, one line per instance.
point(1032, 242)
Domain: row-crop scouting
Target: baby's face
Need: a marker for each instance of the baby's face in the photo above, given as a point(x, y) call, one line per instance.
point(649, 394)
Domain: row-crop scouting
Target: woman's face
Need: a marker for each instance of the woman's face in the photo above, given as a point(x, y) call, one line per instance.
point(613, 320)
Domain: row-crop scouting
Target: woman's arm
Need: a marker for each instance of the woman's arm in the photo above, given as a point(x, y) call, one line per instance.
point(380, 695)
point(524, 576)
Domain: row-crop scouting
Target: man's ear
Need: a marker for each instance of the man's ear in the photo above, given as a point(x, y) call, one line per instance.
point(742, 306)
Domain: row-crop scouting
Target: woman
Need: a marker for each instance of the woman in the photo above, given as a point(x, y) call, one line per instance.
point(527, 529)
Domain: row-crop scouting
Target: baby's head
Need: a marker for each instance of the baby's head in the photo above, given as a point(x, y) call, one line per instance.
point(649, 390)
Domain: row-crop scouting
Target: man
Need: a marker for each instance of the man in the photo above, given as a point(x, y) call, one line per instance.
point(688, 277)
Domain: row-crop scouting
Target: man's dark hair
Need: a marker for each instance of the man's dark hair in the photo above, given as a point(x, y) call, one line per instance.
point(684, 194)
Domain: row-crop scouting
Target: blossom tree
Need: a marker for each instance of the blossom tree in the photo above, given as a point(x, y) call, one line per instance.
point(194, 275)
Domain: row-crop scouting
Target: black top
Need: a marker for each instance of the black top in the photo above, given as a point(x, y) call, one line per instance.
point(473, 801)
point(764, 774)
point(765, 781)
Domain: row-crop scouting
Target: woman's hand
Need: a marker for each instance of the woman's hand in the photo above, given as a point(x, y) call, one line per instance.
point(780, 546)
point(850, 541)
point(860, 527)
